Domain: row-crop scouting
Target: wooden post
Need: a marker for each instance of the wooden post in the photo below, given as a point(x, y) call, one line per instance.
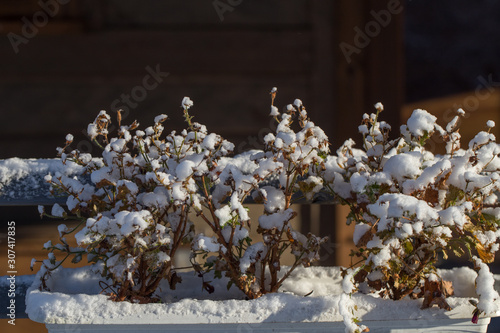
point(368, 68)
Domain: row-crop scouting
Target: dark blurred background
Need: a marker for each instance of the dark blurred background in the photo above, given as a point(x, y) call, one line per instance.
point(64, 60)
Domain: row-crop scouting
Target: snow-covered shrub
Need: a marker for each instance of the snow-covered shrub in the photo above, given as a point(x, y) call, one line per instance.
point(134, 205)
point(286, 165)
point(410, 205)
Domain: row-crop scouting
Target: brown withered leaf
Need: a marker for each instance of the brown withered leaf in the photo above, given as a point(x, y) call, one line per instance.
point(306, 187)
point(485, 255)
point(360, 276)
point(365, 238)
point(434, 295)
point(441, 183)
point(103, 183)
point(431, 196)
point(469, 226)
point(447, 288)
point(343, 272)
point(377, 284)
point(122, 193)
point(415, 295)
point(290, 237)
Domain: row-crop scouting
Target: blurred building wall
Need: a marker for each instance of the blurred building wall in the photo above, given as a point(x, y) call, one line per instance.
point(145, 56)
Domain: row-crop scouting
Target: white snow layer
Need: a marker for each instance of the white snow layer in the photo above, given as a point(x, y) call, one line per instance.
point(75, 299)
point(25, 178)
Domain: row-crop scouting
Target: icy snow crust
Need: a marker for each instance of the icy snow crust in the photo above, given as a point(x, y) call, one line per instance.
point(23, 179)
point(75, 299)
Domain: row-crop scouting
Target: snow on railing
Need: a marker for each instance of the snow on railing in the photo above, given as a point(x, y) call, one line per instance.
point(22, 182)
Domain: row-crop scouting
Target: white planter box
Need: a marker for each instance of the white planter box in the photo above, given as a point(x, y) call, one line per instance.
point(73, 305)
point(399, 326)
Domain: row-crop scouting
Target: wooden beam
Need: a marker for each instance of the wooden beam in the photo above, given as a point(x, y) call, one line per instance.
point(369, 63)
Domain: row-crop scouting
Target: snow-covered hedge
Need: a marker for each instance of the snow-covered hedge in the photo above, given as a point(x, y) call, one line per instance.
point(408, 205)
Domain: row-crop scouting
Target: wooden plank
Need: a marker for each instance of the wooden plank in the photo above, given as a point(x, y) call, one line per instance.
point(152, 13)
point(119, 52)
point(371, 73)
point(235, 108)
point(27, 147)
point(349, 102)
point(374, 72)
point(322, 109)
point(56, 27)
point(18, 7)
point(385, 62)
point(349, 77)
point(344, 243)
point(323, 112)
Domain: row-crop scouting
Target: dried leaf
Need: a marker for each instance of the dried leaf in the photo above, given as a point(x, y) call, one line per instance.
point(434, 295)
point(431, 195)
point(377, 284)
point(469, 226)
point(365, 238)
point(360, 276)
point(441, 183)
point(447, 288)
point(485, 255)
point(103, 183)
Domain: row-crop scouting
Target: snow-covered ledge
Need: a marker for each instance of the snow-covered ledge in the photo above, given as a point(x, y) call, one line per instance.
point(22, 181)
point(74, 302)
